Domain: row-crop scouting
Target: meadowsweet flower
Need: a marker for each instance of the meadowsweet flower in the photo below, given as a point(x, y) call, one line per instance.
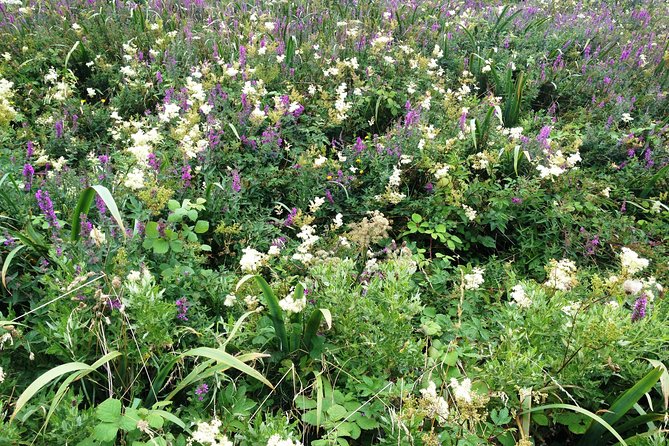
point(208, 434)
point(520, 297)
point(632, 286)
point(561, 275)
point(134, 179)
point(230, 300)
point(462, 391)
point(276, 440)
point(337, 222)
point(631, 262)
point(474, 280)
point(626, 117)
point(292, 305)
point(315, 204)
point(251, 260)
point(97, 236)
point(469, 212)
point(436, 406)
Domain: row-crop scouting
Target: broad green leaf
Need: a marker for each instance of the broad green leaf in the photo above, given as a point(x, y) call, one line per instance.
point(105, 432)
point(84, 204)
point(621, 406)
point(227, 359)
point(160, 246)
point(43, 380)
point(8, 262)
point(336, 412)
point(201, 226)
point(109, 411)
point(276, 313)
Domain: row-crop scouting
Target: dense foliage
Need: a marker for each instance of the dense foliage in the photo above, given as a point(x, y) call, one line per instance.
point(334, 222)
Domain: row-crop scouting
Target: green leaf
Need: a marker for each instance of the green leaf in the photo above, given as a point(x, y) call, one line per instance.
point(201, 226)
point(367, 423)
point(173, 205)
point(155, 421)
point(109, 411)
point(336, 412)
point(8, 262)
point(416, 218)
point(84, 204)
point(228, 360)
point(160, 246)
point(151, 230)
point(276, 313)
point(578, 409)
point(176, 245)
point(105, 432)
point(43, 380)
point(621, 406)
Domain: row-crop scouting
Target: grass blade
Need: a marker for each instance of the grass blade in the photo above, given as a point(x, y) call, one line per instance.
point(621, 406)
point(580, 410)
point(44, 380)
point(8, 262)
point(229, 360)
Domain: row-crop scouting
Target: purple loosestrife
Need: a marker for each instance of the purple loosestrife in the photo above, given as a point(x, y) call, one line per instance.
point(639, 310)
point(46, 206)
point(236, 181)
point(28, 173)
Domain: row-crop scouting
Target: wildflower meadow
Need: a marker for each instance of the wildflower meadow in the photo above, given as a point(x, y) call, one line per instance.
point(334, 222)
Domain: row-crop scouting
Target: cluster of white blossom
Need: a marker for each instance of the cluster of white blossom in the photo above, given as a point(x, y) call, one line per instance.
point(561, 275)
point(462, 391)
point(437, 406)
point(208, 434)
point(276, 440)
point(292, 305)
point(392, 194)
point(519, 297)
point(251, 260)
point(631, 262)
point(308, 236)
point(474, 280)
point(7, 111)
point(558, 164)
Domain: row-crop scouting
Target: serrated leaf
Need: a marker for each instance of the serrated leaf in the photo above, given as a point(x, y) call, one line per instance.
point(155, 421)
point(173, 205)
point(201, 226)
point(160, 246)
point(336, 412)
point(109, 411)
point(151, 229)
point(105, 432)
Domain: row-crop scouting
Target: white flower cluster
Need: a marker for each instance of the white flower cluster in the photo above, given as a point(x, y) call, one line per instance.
point(631, 262)
point(341, 106)
point(7, 112)
point(142, 144)
point(474, 280)
point(469, 212)
point(251, 260)
point(558, 164)
point(462, 391)
point(134, 179)
point(308, 236)
point(2, 375)
point(291, 305)
point(392, 195)
point(520, 297)
point(437, 407)
point(276, 440)
point(561, 275)
point(208, 434)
